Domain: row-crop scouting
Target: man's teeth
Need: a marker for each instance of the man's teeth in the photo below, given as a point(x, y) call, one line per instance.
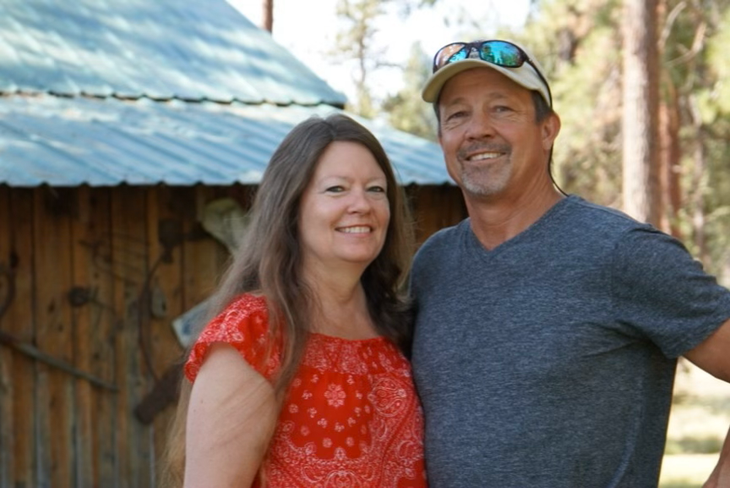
point(482, 156)
point(355, 230)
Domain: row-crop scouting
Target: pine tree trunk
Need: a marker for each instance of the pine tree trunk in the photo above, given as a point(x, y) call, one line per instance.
point(641, 195)
point(669, 156)
point(267, 15)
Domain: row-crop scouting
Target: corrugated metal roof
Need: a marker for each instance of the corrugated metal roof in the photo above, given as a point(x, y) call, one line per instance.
point(105, 92)
point(105, 142)
point(161, 49)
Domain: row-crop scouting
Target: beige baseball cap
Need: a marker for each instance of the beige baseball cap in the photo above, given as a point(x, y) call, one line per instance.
point(530, 75)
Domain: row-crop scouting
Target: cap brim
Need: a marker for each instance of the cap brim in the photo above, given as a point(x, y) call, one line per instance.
point(524, 76)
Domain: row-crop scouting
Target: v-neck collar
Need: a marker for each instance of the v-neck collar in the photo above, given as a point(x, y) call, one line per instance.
point(475, 245)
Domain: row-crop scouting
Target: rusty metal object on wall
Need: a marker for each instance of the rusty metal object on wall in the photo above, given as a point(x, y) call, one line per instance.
point(158, 302)
point(225, 220)
point(7, 288)
point(163, 394)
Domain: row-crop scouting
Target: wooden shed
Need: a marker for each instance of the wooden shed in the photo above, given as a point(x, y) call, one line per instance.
point(125, 130)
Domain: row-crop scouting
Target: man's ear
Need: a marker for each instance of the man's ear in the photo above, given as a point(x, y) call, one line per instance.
point(550, 130)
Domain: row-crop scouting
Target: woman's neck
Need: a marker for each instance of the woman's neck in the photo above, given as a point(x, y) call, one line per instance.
point(342, 312)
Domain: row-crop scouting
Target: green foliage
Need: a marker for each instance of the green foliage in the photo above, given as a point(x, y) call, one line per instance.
point(355, 43)
point(406, 111)
point(694, 445)
point(696, 61)
point(719, 63)
point(578, 43)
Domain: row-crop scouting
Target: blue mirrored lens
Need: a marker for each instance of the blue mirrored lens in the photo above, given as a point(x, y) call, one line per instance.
point(458, 56)
point(501, 54)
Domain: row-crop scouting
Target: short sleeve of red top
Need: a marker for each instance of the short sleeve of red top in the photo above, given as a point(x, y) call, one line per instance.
point(351, 416)
point(244, 325)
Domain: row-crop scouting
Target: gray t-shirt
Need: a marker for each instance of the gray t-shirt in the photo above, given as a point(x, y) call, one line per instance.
point(549, 360)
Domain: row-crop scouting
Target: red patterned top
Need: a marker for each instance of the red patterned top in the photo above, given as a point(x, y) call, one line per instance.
point(351, 416)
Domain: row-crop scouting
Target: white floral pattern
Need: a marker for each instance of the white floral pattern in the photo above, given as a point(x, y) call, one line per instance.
point(335, 395)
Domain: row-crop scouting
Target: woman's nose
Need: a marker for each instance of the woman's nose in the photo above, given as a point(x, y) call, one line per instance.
point(359, 201)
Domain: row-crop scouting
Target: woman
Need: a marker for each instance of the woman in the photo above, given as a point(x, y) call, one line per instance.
point(299, 380)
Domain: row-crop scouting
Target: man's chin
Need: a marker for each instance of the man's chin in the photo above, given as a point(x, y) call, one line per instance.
point(482, 189)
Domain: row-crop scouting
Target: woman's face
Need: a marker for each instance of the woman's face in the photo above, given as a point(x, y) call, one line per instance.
point(344, 211)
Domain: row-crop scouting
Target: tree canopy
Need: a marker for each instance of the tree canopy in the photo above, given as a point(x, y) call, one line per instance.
point(580, 45)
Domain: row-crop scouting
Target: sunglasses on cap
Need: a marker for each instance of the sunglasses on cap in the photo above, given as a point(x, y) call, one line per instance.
point(499, 53)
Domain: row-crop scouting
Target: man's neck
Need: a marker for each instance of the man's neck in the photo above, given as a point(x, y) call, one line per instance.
point(496, 220)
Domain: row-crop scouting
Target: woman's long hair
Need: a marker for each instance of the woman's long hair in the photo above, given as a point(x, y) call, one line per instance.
point(269, 259)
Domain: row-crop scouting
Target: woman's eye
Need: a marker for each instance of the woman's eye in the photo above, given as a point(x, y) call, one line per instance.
point(377, 189)
point(335, 189)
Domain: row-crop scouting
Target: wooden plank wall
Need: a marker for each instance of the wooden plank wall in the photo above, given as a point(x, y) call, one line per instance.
point(435, 207)
point(97, 275)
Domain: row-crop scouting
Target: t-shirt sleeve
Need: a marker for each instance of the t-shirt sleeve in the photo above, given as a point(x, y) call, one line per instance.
point(662, 291)
point(243, 325)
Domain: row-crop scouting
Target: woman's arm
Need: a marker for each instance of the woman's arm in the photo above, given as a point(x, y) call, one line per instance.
point(231, 418)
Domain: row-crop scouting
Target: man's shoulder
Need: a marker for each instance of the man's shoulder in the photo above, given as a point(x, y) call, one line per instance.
point(447, 234)
point(444, 237)
point(592, 227)
point(596, 210)
point(597, 216)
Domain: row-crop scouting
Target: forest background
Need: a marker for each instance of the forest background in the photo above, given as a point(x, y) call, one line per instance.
point(641, 86)
point(643, 93)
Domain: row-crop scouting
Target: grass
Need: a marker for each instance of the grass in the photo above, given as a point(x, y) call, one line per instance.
point(698, 424)
point(686, 470)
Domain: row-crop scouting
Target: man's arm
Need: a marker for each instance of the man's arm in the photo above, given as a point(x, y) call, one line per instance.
point(713, 355)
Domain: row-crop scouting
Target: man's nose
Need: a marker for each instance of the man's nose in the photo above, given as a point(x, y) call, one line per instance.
point(480, 126)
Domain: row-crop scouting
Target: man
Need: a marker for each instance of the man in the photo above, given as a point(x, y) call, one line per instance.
point(548, 327)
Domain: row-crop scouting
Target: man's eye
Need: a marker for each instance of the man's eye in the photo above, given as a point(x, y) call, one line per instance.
point(456, 115)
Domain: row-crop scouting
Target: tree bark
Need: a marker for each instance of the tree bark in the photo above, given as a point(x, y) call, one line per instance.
point(669, 161)
point(267, 16)
point(641, 195)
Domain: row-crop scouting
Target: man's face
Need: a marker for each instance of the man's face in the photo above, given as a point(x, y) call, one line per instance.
point(491, 142)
